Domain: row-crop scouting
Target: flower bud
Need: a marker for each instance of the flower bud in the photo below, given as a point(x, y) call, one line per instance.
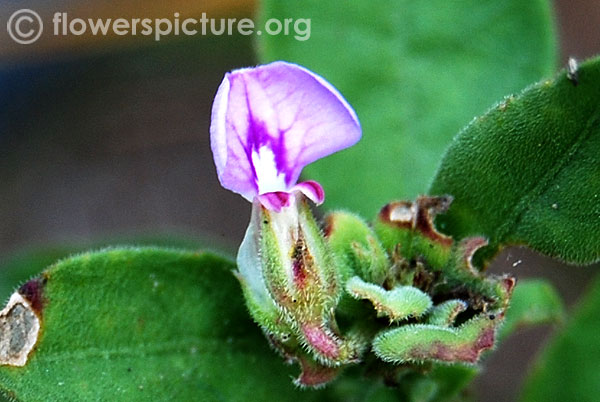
point(291, 282)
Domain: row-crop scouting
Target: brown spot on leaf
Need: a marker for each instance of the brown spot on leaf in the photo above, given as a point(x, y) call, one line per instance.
point(400, 214)
point(418, 216)
point(469, 247)
point(33, 292)
point(509, 284)
point(466, 352)
point(19, 330)
point(427, 209)
point(328, 225)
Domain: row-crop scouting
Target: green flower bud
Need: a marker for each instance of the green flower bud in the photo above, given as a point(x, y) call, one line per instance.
point(292, 283)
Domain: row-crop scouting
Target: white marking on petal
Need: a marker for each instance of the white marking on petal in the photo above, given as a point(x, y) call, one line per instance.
point(268, 178)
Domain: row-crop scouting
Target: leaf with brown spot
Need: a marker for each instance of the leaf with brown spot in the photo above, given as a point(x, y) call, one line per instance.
point(147, 324)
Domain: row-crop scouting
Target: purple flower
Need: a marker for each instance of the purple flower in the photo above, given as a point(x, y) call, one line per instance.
point(270, 121)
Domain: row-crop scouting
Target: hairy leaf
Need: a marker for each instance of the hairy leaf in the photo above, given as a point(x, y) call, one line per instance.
point(445, 313)
point(423, 342)
point(146, 324)
point(528, 171)
point(416, 72)
point(399, 303)
point(17, 267)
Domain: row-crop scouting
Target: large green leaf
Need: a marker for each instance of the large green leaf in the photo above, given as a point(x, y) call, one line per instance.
point(528, 171)
point(568, 369)
point(148, 324)
point(416, 72)
point(19, 266)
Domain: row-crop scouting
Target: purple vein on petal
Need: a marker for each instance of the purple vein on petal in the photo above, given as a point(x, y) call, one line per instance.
point(271, 121)
point(263, 148)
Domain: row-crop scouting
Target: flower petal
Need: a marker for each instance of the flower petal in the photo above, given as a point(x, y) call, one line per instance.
point(276, 200)
point(312, 190)
point(270, 121)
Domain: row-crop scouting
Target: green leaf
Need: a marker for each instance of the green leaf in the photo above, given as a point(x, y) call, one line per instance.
point(152, 324)
point(528, 171)
point(445, 313)
point(399, 303)
point(568, 369)
point(17, 267)
point(416, 72)
point(424, 342)
point(533, 302)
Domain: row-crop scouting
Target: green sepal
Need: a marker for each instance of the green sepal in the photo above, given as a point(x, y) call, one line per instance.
point(263, 309)
point(292, 284)
point(298, 267)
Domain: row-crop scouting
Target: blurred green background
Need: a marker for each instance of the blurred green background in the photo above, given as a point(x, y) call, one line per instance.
point(104, 140)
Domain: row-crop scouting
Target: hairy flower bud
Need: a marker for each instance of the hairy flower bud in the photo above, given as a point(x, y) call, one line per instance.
point(291, 282)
